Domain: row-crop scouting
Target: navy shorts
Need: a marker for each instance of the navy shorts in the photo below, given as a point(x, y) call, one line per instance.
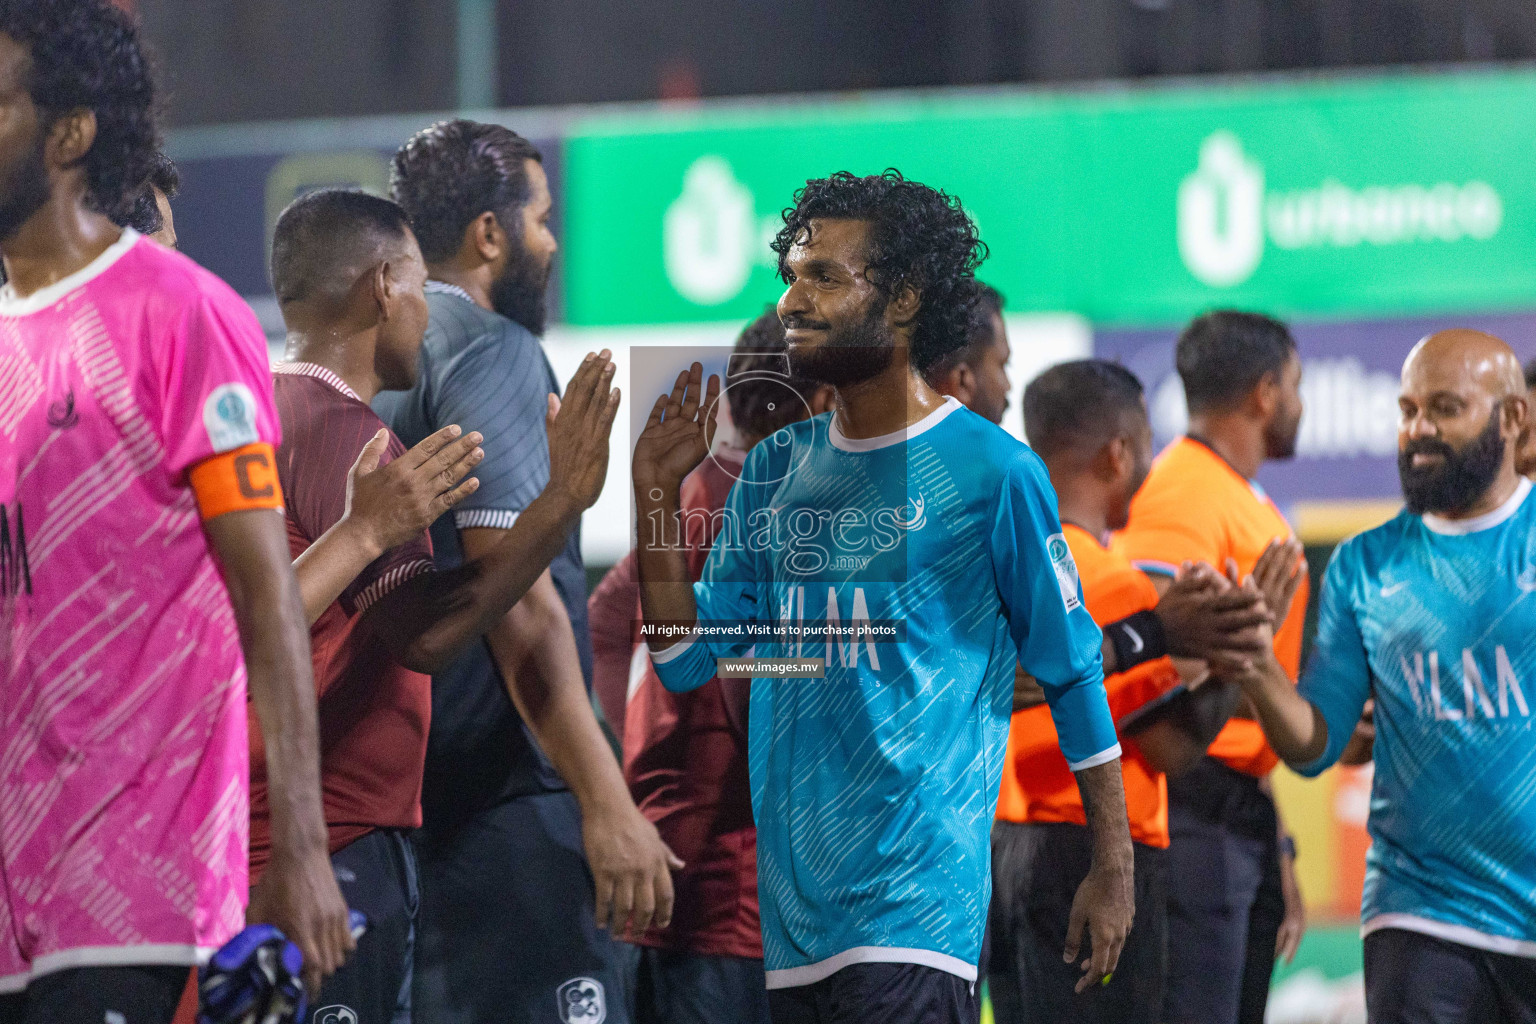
point(888, 993)
point(677, 987)
point(1225, 904)
point(377, 875)
point(1418, 979)
point(507, 929)
point(121, 995)
point(1036, 871)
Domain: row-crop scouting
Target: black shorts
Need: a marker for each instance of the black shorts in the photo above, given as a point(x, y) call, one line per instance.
point(1412, 978)
point(1036, 870)
point(114, 995)
point(888, 993)
point(507, 929)
point(377, 875)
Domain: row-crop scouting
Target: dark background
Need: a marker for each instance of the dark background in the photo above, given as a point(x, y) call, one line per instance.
point(235, 60)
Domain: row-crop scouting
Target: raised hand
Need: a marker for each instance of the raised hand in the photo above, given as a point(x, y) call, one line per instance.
point(578, 429)
point(1205, 615)
point(1278, 572)
point(391, 505)
point(678, 434)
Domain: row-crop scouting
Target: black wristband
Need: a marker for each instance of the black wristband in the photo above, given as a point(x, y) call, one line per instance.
point(1137, 638)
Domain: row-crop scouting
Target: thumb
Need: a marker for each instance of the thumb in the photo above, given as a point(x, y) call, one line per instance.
point(673, 860)
point(552, 412)
point(373, 451)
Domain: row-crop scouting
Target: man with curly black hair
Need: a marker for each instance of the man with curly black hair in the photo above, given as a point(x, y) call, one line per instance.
point(136, 464)
point(151, 212)
point(531, 845)
point(913, 551)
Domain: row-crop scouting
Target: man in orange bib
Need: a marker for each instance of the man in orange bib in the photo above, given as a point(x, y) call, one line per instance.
point(1088, 421)
point(1232, 894)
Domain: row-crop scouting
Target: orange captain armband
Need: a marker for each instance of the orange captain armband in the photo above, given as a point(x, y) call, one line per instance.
point(237, 480)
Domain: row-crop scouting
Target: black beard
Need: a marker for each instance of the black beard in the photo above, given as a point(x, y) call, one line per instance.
point(520, 292)
point(1461, 479)
point(25, 191)
point(850, 355)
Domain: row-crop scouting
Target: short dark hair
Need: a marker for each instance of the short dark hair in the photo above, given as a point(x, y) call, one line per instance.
point(1530, 377)
point(978, 335)
point(756, 375)
point(86, 54)
point(1222, 355)
point(918, 235)
point(1080, 406)
point(323, 239)
point(144, 216)
point(448, 174)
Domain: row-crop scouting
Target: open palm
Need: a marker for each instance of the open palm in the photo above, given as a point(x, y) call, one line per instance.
point(678, 433)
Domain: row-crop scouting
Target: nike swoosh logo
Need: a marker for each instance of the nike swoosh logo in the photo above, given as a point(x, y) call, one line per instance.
point(1394, 588)
point(1135, 638)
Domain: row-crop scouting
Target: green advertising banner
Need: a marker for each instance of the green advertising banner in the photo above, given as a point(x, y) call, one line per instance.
point(1361, 197)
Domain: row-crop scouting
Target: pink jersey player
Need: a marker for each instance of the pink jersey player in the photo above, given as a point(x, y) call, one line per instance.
point(123, 764)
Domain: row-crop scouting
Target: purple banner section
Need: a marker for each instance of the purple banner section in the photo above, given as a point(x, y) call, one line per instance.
point(1348, 443)
point(229, 204)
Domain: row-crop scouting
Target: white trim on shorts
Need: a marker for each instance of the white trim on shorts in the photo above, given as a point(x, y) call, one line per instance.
point(149, 954)
point(810, 974)
point(1457, 933)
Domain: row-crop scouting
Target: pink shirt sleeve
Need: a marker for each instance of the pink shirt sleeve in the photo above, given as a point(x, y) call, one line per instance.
point(218, 383)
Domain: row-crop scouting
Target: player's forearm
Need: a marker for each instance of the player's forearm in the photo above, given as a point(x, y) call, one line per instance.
point(666, 593)
point(252, 549)
point(430, 618)
point(1103, 791)
point(329, 565)
point(1293, 725)
point(535, 649)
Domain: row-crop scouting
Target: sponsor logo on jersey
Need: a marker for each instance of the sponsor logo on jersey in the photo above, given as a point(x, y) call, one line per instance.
point(1423, 674)
point(581, 1001)
point(335, 1014)
point(1066, 570)
point(229, 416)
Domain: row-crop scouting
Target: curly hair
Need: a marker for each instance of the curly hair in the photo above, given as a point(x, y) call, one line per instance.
point(448, 174)
point(86, 54)
point(918, 236)
point(144, 212)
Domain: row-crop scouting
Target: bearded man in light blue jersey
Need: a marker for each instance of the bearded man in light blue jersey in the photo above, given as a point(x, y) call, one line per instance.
point(1433, 615)
point(875, 775)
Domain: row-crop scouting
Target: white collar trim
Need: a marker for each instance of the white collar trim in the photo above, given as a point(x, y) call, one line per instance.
point(444, 288)
point(1486, 521)
point(907, 433)
point(13, 305)
point(317, 371)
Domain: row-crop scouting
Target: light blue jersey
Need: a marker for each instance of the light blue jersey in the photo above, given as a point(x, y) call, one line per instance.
point(874, 788)
point(1436, 619)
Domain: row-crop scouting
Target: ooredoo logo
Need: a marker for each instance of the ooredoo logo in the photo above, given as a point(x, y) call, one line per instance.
point(1227, 214)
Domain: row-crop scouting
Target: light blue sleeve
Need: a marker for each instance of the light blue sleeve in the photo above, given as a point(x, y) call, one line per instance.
point(1338, 678)
point(727, 591)
point(1058, 641)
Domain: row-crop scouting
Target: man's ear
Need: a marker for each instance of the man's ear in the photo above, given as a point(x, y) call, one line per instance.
point(70, 138)
point(904, 303)
point(1114, 458)
point(485, 238)
point(382, 280)
point(1515, 411)
point(1264, 399)
point(823, 399)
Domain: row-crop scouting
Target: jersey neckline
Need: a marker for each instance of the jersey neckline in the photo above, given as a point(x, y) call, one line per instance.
point(1486, 521)
point(298, 368)
point(907, 433)
point(11, 305)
